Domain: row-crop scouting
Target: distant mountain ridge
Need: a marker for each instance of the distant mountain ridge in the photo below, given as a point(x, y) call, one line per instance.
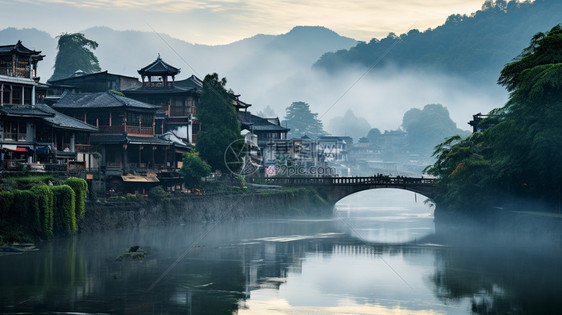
point(475, 46)
point(124, 52)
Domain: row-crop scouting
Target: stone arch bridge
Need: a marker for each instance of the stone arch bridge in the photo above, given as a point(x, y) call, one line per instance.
point(335, 188)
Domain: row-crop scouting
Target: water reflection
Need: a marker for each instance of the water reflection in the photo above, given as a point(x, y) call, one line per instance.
point(325, 265)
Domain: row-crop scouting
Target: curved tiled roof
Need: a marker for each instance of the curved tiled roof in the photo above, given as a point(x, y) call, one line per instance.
point(158, 68)
point(100, 100)
point(63, 121)
point(18, 48)
point(256, 123)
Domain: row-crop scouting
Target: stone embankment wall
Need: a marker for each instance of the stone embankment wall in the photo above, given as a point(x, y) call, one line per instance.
point(117, 215)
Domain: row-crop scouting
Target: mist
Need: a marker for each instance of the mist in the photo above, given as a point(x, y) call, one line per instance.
point(381, 97)
point(275, 71)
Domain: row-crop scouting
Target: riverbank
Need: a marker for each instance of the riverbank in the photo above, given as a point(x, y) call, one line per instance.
point(193, 209)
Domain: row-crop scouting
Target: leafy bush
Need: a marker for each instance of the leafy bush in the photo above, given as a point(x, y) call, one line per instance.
point(44, 198)
point(80, 188)
point(26, 182)
point(64, 216)
point(6, 201)
point(194, 168)
point(160, 196)
point(25, 211)
point(158, 193)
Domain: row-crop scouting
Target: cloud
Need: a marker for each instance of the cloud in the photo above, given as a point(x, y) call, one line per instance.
point(223, 21)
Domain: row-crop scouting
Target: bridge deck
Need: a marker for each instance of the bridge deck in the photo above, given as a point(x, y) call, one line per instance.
point(360, 181)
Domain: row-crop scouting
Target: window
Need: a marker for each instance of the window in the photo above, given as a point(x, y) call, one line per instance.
point(27, 95)
point(15, 131)
point(7, 92)
point(16, 95)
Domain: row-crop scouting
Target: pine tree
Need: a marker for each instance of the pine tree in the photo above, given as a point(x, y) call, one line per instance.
point(302, 121)
point(74, 53)
point(219, 124)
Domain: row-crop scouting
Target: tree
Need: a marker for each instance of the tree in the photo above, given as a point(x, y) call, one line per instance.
point(517, 154)
point(219, 123)
point(302, 121)
point(194, 168)
point(74, 53)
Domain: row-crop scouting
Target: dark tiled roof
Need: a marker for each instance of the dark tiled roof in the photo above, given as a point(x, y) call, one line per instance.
point(64, 121)
point(256, 123)
point(82, 74)
point(157, 68)
point(159, 90)
point(18, 49)
point(48, 115)
point(191, 83)
point(99, 100)
point(122, 139)
point(23, 111)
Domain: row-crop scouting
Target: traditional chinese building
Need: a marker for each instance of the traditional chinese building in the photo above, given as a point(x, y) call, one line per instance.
point(130, 149)
point(82, 82)
point(34, 135)
point(176, 100)
point(266, 129)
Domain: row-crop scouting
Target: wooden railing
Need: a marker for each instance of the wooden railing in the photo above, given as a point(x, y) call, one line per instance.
point(82, 147)
point(157, 84)
point(140, 130)
point(374, 180)
point(119, 129)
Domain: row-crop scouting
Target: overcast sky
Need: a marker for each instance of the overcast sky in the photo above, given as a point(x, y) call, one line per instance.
point(225, 21)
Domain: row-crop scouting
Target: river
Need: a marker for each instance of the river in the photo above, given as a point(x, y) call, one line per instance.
point(377, 254)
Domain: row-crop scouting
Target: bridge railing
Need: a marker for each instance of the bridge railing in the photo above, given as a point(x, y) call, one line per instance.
point(372, 180)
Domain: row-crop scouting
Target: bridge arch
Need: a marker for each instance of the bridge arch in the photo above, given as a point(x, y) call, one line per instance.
point(334, 189)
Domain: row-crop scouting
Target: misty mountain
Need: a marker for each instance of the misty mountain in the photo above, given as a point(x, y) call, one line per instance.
point(124, 52)
point(476, 46)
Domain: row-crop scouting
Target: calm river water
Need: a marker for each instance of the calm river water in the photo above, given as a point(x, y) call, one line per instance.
point(375, 255)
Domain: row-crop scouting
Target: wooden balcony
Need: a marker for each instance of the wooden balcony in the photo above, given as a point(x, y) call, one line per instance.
point(157, 84)
point(120, 129)
point(82, 147)
point(137, 130)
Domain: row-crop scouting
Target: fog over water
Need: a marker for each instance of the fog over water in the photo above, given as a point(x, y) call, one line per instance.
point(375, 255)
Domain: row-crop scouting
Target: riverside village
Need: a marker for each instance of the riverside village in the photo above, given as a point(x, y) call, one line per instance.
point(124, 135)
point(164, 192)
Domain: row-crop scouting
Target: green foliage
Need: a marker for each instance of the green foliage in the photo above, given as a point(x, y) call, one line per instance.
point(26, 211)
point(220, 125)
point(518, 153)
point(474, 46)
point(193, 169)
point(117, 93)
point(158, 193)
point(6, 201)
point(26, 182)
point(302, 121)
point(64, 209)
point(80, 188)
point(44, 198)
point(74, 53)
